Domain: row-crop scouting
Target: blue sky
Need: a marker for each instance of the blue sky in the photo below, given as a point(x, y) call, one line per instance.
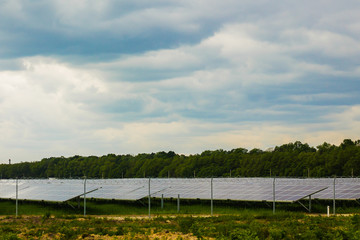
point(98, 77)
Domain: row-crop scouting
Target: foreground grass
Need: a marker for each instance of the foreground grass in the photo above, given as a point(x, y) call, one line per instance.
point(246, 226)
point(128, 220)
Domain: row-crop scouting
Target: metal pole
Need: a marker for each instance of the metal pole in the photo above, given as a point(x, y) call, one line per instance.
point(274, 196)
point(149, 201)
point(212, 196)
point(17, 190)
point(334, 197)
point(178, 203)
point(162, 201)
point(85, 196)
point(310, 203)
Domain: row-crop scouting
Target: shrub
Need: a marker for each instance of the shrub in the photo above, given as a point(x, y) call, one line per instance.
point(243, 234)
point(185, 224)
point(120, 230)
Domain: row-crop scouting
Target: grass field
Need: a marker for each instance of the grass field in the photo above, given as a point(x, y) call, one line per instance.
point(112, 207)
point(248, 225)
point(129, 220)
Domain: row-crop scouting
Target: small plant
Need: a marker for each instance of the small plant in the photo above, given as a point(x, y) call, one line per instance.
point(243, 234)
point(355, 220)
point(120, 230)
point(46, 215)
point(10, 236)
point(185, 224)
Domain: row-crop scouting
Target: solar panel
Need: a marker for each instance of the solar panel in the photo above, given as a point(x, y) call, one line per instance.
point(120, 189)
point(242, 189)
point(46, 190)
point(345, 189)
point(237, 189)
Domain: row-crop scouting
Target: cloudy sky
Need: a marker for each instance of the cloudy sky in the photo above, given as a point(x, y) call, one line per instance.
point(91, 77)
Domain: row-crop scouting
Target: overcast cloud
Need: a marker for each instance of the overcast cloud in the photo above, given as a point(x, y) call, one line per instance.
point(97, 77)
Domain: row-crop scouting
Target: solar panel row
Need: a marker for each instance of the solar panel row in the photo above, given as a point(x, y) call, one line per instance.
point(243, 189)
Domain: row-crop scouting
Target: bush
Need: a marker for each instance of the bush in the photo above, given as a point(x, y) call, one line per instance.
point(185, 224)
point(243, 234)
point(120, 231)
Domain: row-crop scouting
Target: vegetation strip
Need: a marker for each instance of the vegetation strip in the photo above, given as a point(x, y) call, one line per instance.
point(245, 226)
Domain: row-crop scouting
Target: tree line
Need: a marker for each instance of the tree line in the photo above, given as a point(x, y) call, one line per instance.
point(292, 160)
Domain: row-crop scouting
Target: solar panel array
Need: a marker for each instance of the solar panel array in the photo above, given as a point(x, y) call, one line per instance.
point(345, 189)
point(243, 189)
point(124, 189)
point(46, 190)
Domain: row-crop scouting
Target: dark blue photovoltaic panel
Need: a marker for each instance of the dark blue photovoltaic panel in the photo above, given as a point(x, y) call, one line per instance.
point(242, 189)
point(47, 190)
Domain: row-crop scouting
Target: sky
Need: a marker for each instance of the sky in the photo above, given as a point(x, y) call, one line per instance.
point(89, 77)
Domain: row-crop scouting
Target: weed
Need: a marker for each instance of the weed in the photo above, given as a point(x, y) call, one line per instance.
point(243, 234)
point(120, 230)
point(185, 224)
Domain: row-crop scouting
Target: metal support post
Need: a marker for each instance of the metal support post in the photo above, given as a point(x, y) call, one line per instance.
point(17, 191)
point(85, 196)
point(309, 203)
point(178, 203)
point(274, 196)
point(212, 197)
point(162, 201)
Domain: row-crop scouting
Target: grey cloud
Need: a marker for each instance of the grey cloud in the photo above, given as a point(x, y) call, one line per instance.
point(130, 75)
point(110, 27)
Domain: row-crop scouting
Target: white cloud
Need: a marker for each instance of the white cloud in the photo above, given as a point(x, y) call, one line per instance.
point(13, 8)
point(348, 119)
point(36, 105)
point(170, 59)
point(304, 98)
point(191, 137)
point(231, 74)
point(41, 117)
point(56, 77)
point(330, 44)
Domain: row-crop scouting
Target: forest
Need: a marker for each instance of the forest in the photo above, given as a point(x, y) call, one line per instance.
point(291, 160)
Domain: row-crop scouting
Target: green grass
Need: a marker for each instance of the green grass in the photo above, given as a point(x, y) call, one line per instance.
point(195, 207)
point(233, 220)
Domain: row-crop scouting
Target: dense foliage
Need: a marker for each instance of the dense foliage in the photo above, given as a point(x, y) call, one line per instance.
point(280, 226)
point(292, 159)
